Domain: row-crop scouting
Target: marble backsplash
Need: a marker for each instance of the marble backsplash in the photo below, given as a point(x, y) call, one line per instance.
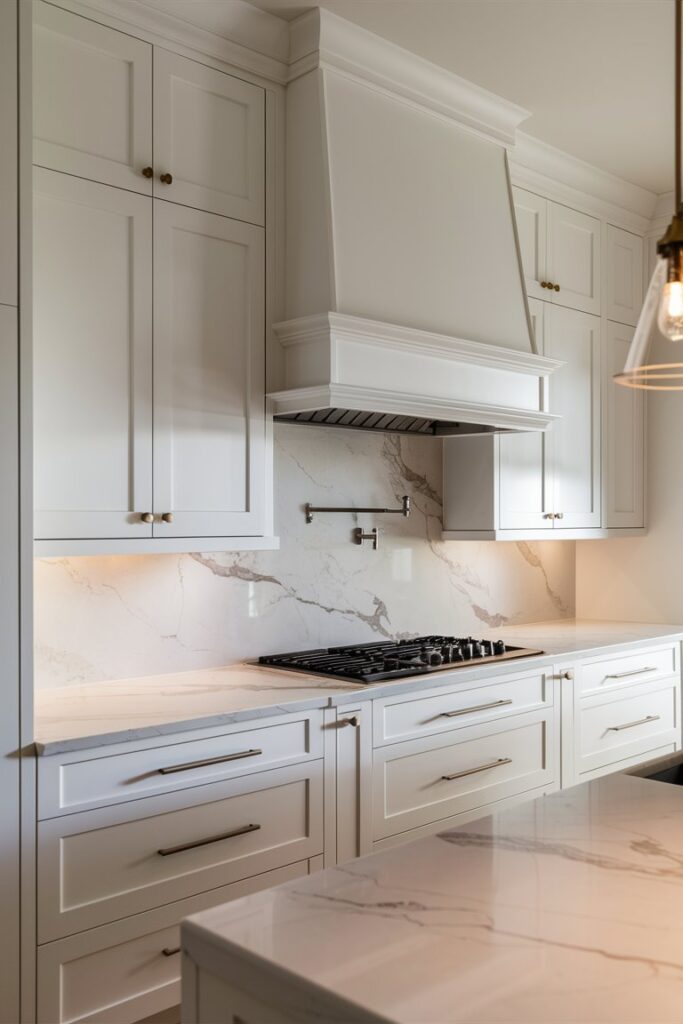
point(113, 617)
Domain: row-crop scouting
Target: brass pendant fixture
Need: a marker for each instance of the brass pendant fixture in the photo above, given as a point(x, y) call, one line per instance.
point(664, 300)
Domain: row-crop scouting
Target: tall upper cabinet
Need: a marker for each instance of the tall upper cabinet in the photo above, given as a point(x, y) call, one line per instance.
point(149, 285)
point(584, 477)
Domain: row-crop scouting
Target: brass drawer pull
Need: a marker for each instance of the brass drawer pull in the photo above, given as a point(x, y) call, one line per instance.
point(478, 707)
point(634, 672)
point(147, 517)
point(631, 725)
point(354, 721)
point(210, 839)
point(170, 950)
point(481, 768)
point(208, 762)
point(167, 517)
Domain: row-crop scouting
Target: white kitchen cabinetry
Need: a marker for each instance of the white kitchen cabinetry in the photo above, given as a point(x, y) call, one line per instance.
point(209, 417)
point(560, 250)
point(624, 433)
point(624, 276)
point(92, 333)
point(92, 103)
point(208, 138)
point(147, 439)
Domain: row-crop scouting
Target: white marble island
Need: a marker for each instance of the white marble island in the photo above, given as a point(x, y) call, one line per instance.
point(568, 908)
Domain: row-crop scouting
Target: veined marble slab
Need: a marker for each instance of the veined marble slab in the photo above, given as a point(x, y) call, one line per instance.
point(95, 714)
point(565, 909)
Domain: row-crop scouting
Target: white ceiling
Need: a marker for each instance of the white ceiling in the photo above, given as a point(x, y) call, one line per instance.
point(597, 74)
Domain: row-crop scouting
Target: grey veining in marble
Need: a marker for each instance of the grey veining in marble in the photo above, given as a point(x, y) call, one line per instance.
point(564, 909)
point(78, 717)
point(101, 619)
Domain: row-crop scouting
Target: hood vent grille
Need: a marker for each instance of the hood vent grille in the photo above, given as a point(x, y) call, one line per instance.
point(355, 419)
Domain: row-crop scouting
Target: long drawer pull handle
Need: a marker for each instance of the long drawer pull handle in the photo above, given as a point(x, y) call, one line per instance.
point(478, 707)
point(170, 950)
point(633, 672)
point(210, 839)
point(631, 725)
point(481, 768)
point(208, 761)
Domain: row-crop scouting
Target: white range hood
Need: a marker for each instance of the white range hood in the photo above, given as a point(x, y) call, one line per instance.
point(406, 306)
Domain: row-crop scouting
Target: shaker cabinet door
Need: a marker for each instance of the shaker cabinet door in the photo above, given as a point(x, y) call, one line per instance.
point(92, 101)
point(209, 416)
point(92, 359)
point(574, 338)
point(209, 139)
point(574, 258)
point(624, 276)
point(531, 214)
point(623, 423)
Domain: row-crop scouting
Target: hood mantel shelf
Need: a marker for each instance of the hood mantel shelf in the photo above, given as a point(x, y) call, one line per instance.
point(405, 296)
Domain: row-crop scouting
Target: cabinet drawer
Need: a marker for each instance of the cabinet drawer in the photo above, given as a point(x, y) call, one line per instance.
point(97, 866)
point(427, 780)
point(81, 780)
point(119, 973)
point(435, 711)
point(627, 669)
point(618, 727)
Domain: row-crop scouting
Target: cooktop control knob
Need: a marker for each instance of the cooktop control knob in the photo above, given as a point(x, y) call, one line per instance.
point(499, 647)
point(477, 649)
point(435, 658)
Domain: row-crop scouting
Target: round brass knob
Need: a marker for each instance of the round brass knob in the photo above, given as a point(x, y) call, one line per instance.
point(147, 517)
point(567, 675)
point(147, 172)
point(559, 515)
point(167, 517)
point(544, 284)
point(166, 178)
point(556, 287)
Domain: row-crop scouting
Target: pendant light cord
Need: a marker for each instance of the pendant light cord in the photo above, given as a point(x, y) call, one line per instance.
point(679, 5)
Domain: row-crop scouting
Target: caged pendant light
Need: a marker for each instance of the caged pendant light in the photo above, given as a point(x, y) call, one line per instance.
point(664, 300)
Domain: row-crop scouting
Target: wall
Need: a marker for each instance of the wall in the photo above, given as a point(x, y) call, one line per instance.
point(100, 618)
point(641, 578)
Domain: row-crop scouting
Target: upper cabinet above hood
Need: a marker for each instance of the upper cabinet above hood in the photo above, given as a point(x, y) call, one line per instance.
point(406, 307)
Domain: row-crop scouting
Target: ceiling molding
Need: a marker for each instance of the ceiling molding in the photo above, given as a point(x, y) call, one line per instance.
point(320, 39)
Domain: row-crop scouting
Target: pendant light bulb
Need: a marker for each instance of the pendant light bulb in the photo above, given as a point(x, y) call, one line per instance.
point(670, 317)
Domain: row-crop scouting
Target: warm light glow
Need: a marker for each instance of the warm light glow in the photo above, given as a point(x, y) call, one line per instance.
point(670, 319)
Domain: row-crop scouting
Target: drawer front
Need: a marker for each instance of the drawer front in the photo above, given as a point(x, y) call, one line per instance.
point(82, 780)
point(628, 669)
point(611, 730)
point(119, 973)
point(427, 780)
point(434, 711)
point(102, 865)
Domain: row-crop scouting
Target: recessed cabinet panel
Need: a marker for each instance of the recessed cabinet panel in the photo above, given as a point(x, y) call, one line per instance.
point(93, 358)
point(209, 417)
point(525, 471)
point(209, 138)
point(574, 337)
point(624, 436)
point(92, 104)
point(574, 258)
point(531, 212)
point(624, 276)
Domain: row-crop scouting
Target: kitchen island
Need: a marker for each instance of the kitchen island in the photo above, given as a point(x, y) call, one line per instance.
point(567, 908)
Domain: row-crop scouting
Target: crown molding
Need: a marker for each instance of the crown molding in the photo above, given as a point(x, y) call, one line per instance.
point(536, 165)
point(262, 51)
point(320, 39)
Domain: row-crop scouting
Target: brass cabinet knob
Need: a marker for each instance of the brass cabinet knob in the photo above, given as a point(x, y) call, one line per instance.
point(354, 721)
point(567, 675)
point(548, 515)
point(147, 172)
point(544, 284)
point(147, 517)
point(166, 178)
point(167, 517)
point(559, 515)
point(556, 287)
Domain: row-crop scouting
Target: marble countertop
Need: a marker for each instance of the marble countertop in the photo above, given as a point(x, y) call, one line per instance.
point(95, 714)
point(567, 908)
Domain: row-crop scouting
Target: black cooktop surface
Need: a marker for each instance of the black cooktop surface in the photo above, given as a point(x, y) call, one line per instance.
point(371, 663)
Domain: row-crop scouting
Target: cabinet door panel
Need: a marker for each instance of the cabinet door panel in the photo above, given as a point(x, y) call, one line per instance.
point(92, 100)
point(574, 258)
point(209, 417)
point(525, 473)
point(624, 276)
point(531, 217)
point(209, 134)
point(624, 437)
point(574, 337)
point(93, 358)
